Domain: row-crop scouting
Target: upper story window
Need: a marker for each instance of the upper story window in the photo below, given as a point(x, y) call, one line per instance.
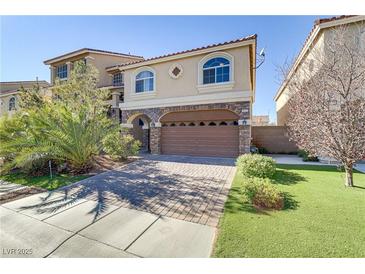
point(216, 70)
point(12, 103)
point(144, 81)
point(118, 79)
point(62, 71)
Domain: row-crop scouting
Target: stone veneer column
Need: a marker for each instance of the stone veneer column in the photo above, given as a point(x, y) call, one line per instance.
point(244, 135)
point(145, 138)
point(155, 139)
point(126, 129)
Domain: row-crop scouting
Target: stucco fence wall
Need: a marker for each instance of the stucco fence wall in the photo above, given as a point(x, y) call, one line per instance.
point(274, 139)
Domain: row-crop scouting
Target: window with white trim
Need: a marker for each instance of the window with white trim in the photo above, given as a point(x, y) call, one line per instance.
point(62, 71)
point(144, 81)
point(118, 79)
point(216, 70)
point(12, 104)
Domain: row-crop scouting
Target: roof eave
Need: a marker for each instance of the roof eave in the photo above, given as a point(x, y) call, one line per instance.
point(251, 41)
point(86, 50)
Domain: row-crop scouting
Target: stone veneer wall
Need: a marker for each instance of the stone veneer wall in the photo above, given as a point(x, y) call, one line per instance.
point(244, 139)
point(242, 109)
point(155, 140)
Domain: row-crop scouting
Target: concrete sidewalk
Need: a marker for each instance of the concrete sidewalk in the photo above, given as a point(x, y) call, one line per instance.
point(293, 160)
point(117, 232)
point(296, 160)
point(360, 167)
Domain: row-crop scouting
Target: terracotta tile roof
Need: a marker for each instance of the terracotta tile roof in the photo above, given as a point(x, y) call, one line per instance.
point(15, 85)
point(24, 82)
point(4, 92)
point(91, 50)
point(325, 20)
point(250, 37)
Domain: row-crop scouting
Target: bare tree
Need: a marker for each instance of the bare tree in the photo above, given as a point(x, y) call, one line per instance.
point(327, 99)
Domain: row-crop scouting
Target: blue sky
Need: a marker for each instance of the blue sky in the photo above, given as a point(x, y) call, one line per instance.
point(26, 41)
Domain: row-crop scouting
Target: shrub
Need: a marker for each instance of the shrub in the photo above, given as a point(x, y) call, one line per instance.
point(120, 146)
point(307, 157)
point(255, 165)
point(263, 150)
point(262, 193)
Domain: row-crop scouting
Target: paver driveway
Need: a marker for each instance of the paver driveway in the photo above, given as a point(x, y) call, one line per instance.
point(159, 206)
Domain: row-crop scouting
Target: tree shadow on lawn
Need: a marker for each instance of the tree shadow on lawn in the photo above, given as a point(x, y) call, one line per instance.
point(285, 177)
point(289, 201)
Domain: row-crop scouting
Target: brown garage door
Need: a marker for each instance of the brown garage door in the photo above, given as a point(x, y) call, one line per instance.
point(219, 141)
point(200, 133)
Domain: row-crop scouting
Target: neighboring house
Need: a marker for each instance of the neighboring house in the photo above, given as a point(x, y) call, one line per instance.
point(196, 102)
point(61, 66)
point(260, 120)
point(315, 42)
point(9, 94)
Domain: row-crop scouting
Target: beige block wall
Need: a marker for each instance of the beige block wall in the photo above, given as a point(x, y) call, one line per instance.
point(274, 139)
point(186, 84)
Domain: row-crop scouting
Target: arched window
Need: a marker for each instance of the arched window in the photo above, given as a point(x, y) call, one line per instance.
point(144, 81)
point(12, 103)
point(216, 70)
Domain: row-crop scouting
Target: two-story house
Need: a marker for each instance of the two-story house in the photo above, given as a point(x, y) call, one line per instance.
point(194, 102)
point(61, 66)
point(314, 46)
point(9, 94)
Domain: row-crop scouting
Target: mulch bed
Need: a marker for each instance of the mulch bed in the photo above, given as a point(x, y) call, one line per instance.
point(105, 163)
point(21, 193)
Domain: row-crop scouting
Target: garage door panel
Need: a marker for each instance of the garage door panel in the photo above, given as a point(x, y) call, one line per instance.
point(221, 141)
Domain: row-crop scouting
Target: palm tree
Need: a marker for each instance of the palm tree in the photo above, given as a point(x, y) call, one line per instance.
point(52, 133)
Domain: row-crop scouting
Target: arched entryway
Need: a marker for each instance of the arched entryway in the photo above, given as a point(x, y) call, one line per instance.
point(212, 133)
point(141, 131)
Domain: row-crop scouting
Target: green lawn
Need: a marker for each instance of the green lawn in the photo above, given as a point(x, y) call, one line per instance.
point(42, 181)
point(322, 218)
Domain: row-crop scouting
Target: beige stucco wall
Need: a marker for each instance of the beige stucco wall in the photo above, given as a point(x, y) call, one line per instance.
point(4, 104)
point(11, 89)
point(186, 84)
point(100, 61)
point(318, 48)
point(302, 69)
